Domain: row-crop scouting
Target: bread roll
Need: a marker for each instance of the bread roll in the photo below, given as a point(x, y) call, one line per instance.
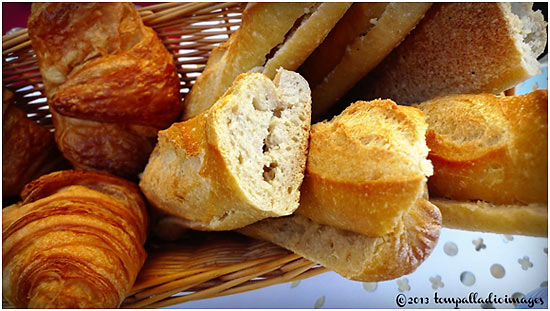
point(271, 35)
point(238, 162)
point(75, 241)
point(363, 210)
point(460, 48)
point(28, 149)
point(363, 37)
point(491, 149)
point(366, 167)
point(111, 84)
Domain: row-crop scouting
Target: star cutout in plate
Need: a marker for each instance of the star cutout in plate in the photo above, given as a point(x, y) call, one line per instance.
point(479, 244)
point(403, 285)
point(525, 263)
point(436, 282)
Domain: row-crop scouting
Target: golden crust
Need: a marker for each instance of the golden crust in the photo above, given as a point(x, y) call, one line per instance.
point(365, 168)
point(189, 174)
point(263, 28)
point(28, 150)
point(531, 219)
point(490, 148)
point(356, 256)
point(111, 83)
point(201, 189)
point(75, 241)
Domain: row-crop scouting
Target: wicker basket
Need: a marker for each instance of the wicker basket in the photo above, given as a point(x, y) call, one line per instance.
point(206, 264)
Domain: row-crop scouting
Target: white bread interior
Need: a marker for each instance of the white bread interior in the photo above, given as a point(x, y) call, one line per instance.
point(261, 134)
point(460, 48)
point(240, 161)
point(528, 29)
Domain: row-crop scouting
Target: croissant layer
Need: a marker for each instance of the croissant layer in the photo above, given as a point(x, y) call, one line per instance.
point(111, 83)
point(75, 241)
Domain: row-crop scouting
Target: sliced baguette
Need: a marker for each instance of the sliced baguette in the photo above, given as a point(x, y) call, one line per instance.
point(364, 36)
point(238, 162)
point(490, 148)
point(490, 158)
point(271, 35)
point(366, 167)
point(460, 48)
point(363, 209)
point(353, 255)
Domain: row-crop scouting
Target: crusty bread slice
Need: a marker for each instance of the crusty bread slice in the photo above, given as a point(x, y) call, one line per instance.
point(363, 37)
point(271, 35)
point(460, 48)
point(490, 158)
point(363, 209)
point(490, 148)
point(366, 167)
point(353, 255)
point(530, 219)
point(240, 161)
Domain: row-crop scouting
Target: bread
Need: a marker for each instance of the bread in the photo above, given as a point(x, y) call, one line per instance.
point(28, 148)
point(363, 210)
point(271, 35)
point(460, 48)
point(491, 149)
point(366, 167)
point(238, 162)
point(353, 255)
point(363, 37)
point(110, 83)
point(75, 241)
point(528, 219)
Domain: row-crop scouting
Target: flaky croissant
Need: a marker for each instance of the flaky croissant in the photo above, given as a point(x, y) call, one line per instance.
point(28, 149)
point(110, 82)
point(75, 241)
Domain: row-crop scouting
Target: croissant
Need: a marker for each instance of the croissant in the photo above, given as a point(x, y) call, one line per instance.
point(75, 241)
point(110, 82)
point(28, 148)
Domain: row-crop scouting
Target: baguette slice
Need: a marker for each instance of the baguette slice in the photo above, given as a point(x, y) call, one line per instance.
point(490, 157)
point(364, 36)
point(460, 48)
point(238, 162)
point(363, 211)
point(366, 167)
point(490, 148)
point(271, 35)
point(353, 255)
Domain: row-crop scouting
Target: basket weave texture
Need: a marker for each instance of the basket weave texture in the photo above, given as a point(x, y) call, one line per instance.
point(205, 264)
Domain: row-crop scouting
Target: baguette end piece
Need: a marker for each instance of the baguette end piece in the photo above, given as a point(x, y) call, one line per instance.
point(240, 161)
